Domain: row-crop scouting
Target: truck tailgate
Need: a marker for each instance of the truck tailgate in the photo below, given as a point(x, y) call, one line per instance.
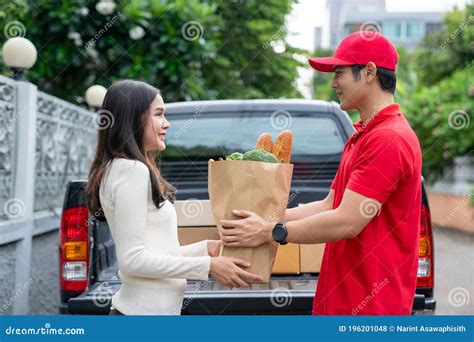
point(284, 295)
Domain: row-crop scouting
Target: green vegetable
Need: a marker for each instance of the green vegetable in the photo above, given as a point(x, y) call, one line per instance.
point(260, 155)
point(235, 156)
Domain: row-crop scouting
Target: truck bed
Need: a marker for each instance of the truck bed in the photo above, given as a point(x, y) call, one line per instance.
point(285, 295)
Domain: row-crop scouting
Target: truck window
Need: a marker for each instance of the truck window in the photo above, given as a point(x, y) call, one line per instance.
point(213, 136)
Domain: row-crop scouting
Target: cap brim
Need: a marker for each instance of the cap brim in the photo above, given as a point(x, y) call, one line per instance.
point(325, 64)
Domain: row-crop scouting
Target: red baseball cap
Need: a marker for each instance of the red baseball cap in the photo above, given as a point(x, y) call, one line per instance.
point(360, 47)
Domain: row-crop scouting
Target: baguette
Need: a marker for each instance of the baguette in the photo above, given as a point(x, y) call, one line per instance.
point(264, 142)
point(282, 147)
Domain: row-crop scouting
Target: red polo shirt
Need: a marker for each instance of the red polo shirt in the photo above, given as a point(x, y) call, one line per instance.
point(375, 273)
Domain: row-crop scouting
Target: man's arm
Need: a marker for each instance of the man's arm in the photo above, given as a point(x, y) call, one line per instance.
point(344, 222)
point(309, 209)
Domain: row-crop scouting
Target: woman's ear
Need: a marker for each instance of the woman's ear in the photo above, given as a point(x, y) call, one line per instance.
point(371, 71)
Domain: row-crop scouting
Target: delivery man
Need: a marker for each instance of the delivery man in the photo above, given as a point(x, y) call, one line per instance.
point(370, 218)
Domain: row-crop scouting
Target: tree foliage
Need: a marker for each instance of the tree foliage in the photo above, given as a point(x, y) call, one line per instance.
point(190, 49)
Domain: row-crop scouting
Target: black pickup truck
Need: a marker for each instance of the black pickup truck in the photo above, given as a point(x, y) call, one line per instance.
point(212, 129)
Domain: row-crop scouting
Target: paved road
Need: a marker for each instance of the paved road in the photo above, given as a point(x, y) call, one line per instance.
point(454, 272)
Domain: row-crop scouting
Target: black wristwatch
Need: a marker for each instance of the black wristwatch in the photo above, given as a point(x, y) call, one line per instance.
point(280, 233)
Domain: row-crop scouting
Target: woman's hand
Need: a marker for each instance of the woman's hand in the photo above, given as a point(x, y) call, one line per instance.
point(228, 272)
point(214, 247)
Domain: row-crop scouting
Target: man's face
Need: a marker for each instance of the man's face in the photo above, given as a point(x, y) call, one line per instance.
point(349, 90)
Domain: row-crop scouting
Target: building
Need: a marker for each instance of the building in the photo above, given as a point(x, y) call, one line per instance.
point(318, 37)
point(402, 28)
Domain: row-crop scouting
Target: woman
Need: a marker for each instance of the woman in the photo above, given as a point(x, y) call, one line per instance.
point(126, 186)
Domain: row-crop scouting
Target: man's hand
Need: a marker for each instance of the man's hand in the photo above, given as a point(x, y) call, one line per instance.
point(213, 247)
point(250, 231)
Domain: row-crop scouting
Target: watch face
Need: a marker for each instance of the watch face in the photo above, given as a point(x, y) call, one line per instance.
point(279, 233)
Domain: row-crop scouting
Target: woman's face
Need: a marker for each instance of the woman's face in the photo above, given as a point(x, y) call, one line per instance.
point(156, 127)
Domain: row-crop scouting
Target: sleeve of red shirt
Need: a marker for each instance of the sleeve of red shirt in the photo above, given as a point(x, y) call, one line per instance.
point(379, 167)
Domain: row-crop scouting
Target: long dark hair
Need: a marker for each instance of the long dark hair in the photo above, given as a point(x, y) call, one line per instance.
point(122, 121)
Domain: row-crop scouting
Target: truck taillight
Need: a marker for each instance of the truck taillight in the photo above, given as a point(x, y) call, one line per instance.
point(73, 249)
point(426, 257)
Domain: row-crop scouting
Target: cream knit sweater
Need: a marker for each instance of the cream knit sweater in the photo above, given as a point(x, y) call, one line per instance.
point(152, 265)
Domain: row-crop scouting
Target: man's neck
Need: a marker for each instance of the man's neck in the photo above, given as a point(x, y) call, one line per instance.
point(374, 105)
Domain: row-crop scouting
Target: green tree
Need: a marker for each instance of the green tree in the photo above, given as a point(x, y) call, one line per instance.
point(407, 76)
point(450, 49)
point(439, 102)
point(441, 116)
point(190, 49)
point(246, 64)
point(322, 80)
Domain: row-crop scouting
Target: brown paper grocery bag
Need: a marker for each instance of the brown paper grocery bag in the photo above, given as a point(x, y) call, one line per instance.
point(254, 186)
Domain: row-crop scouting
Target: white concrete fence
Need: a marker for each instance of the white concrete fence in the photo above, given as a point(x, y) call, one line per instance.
point(44, 143)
